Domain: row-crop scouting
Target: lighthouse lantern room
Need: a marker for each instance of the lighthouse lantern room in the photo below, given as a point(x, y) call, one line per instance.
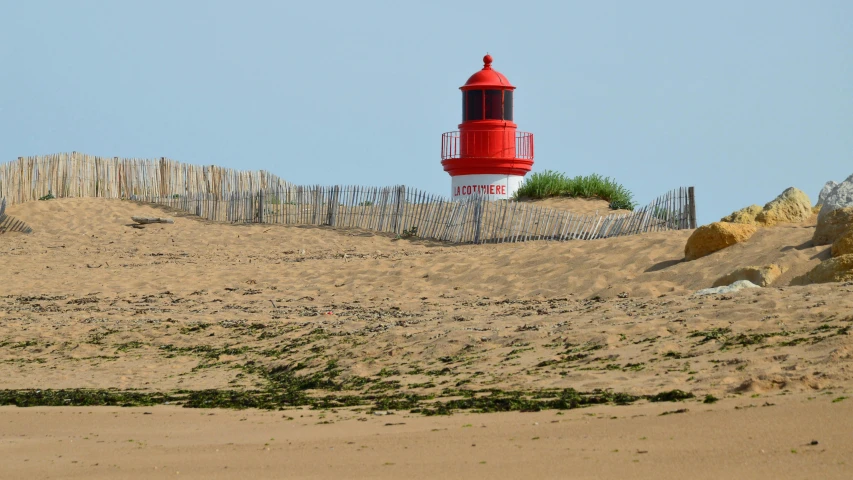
point(487, 156)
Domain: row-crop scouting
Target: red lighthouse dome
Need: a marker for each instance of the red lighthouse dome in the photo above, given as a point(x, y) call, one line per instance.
point(487, 156)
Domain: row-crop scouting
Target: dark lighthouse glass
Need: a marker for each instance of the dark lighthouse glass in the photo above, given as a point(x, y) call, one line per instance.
point(494, 107)
point(472, 108)
point(508, 105)
point(487, 105)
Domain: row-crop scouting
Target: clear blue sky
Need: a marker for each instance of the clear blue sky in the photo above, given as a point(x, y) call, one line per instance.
point(739, 98)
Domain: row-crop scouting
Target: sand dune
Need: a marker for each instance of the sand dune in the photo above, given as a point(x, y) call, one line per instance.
point(193, 254)
point(584, 206)
point(89, 302)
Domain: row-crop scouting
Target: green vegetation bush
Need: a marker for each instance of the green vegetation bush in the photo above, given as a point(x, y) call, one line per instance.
point(555, 184)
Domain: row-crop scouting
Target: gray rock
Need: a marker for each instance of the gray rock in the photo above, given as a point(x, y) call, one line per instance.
point(839, 197)
point(830, 185)
point(735, 287)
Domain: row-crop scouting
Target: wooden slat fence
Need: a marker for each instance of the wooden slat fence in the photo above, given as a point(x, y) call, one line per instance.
point(228, 195)
point(79, 175)
point(9, 224)
point(410, 212)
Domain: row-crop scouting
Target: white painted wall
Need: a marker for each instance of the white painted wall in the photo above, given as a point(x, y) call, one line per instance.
point(497, 187)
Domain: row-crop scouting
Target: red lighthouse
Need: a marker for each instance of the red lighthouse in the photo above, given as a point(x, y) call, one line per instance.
point(487, 155)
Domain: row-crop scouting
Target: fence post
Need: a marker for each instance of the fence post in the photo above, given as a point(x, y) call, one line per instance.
point(478, 216)
point(691, 198)
point(398, 210)
point(333, 205)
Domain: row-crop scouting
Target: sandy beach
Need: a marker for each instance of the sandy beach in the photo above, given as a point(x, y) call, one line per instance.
point(791, 436)
point(352, 323)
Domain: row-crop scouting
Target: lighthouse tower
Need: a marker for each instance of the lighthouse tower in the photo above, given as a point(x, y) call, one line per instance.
point(487, 156)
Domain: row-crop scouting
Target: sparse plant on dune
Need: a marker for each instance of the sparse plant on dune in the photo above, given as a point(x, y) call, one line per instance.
point(555, 184)
point(410, 233)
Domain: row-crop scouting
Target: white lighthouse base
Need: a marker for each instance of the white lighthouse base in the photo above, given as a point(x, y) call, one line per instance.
point(495, 187)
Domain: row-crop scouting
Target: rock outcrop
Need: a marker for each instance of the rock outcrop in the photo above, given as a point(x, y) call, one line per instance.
point(791, 206)
point(745, 215)
point(843, 245)
point(761, 276)
point(734, 287)
point(841, 196)
point(833, 225)
point(838, 269)
point(826, 190)
point(716, 236)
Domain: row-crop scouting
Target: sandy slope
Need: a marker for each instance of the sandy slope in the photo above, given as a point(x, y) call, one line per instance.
point(89, 240)
point(87, 301)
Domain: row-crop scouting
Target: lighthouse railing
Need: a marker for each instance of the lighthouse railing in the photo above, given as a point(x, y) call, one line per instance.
point(454, 145)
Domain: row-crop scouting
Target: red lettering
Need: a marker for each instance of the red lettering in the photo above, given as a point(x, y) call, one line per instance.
point(491, 189)
point(503, 189)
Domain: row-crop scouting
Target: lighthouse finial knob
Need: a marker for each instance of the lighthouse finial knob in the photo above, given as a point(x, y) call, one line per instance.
point(487, 61)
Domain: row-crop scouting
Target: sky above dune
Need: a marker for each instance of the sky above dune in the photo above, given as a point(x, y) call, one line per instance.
point(739, 99)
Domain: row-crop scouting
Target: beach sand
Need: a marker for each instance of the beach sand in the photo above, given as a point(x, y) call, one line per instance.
point(794, 437)
point(89, 302)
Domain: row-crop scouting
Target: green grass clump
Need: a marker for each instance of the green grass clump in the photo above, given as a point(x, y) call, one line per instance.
point(555, 184)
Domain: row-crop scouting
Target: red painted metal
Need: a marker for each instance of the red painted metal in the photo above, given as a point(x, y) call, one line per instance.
point(487, 78)
point(487, 146)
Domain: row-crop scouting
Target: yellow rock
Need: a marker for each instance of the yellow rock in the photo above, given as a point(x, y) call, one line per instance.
point(791, 206)
point(838, 269)
point(708, 239)
point(744, 215)
point(833, 225)
point(816, 208)
point(843, 245)
point(761, 276)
